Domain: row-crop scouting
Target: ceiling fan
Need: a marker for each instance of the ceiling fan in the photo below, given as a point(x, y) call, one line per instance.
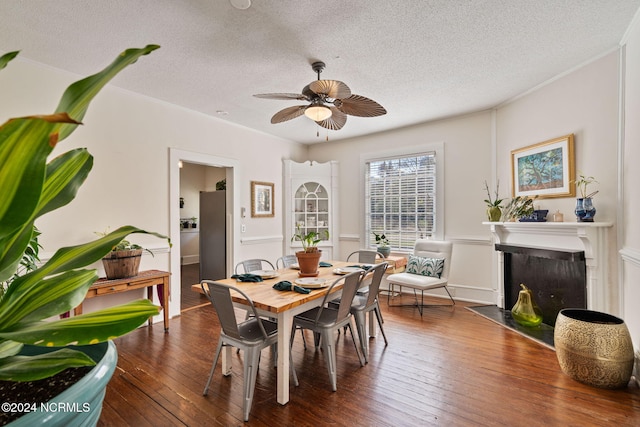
point(329, 103)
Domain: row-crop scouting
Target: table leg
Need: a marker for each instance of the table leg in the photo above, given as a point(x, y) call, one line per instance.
point(150, 298)
point(165, 302)
point(285, 322)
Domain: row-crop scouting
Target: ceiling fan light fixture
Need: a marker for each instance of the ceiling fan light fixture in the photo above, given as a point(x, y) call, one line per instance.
point(317, 113)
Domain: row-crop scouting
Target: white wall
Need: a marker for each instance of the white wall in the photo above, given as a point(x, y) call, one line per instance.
point(130, 136)
point(630, 233)
point(468, 162)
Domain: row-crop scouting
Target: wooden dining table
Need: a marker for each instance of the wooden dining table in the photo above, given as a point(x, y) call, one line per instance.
point(283, 306)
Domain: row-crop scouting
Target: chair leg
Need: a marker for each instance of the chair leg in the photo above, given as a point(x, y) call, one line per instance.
point(251, 361)
point(450, 297)
point(304, 340)
point(353, 338)
point(329, 349)
point(360, 317)
point(376, 310)
point(293, 370)
point(213, 368)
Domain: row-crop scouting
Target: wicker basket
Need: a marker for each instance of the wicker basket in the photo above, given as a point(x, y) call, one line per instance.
point(121, 264)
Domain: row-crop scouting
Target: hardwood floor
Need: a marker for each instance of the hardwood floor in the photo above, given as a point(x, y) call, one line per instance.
point(451, 367)
point(190, 274)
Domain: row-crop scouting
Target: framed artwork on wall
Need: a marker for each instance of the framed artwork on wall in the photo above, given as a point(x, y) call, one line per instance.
point(262, 199)
point(545, 169)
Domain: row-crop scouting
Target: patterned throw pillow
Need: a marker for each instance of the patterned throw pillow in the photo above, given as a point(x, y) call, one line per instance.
point(432, 267)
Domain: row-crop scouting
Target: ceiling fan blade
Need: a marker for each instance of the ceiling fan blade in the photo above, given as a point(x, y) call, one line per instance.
point(285, 96)
point(336, 121)
point(357, 105)
point(331, 88)
point(288, 114)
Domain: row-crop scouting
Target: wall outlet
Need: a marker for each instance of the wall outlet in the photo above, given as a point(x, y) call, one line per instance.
point(243, 228)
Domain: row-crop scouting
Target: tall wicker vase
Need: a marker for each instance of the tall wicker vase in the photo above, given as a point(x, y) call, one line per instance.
point(594, 348)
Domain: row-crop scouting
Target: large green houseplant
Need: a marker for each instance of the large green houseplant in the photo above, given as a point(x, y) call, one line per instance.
point(32, 186)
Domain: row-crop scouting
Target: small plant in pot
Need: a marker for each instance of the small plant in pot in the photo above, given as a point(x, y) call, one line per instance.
point(585, 211)
point(383, 244)
point(494, 211)
point(32, 345)
point(309, 256)
point(123, 260)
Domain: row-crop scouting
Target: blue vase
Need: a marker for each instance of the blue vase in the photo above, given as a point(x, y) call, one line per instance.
point(585, 211)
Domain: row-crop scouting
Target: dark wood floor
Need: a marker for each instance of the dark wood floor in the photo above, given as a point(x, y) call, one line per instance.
point(190, 274)
point(451, 367)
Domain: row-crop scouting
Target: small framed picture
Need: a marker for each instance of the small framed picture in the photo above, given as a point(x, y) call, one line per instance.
point(262, 199)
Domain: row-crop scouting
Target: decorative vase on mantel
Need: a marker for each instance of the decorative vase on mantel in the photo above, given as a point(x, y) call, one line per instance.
point(494, 213)
point(585, 211)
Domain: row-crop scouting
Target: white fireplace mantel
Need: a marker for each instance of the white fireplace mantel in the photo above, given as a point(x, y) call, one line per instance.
point(590, 237)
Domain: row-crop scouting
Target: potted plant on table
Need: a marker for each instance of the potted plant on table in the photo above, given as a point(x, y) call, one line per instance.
point(494, 211)
point(123, 260)
point(309, 256)
point(383, 244)
point(31, 346)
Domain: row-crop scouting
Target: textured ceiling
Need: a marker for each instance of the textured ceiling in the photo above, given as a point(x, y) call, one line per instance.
point(421, 59)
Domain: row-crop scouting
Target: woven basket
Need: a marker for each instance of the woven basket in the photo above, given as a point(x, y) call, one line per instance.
point(122, 264)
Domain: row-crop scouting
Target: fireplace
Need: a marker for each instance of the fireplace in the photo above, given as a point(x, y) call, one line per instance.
point(548, 248)
point(557, 278)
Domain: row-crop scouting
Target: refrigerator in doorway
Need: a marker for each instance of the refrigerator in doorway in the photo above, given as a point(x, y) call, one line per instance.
point(213, 235)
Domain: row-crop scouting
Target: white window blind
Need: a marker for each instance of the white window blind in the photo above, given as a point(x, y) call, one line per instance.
point(400, 198)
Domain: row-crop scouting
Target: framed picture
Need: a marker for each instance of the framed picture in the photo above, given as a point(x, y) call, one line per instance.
point(261, 199)
point(546, 169)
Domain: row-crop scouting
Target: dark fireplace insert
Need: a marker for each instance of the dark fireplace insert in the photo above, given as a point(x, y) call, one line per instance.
point(557, 278)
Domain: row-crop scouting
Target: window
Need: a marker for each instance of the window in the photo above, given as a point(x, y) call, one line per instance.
point(401, 198)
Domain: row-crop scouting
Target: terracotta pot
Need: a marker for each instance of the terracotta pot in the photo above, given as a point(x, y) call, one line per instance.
point(594, 348)
point(308, 262)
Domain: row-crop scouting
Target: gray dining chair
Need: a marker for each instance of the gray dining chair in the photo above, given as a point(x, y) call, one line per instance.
point(286, 261)
point(363, 304)
point(365, 256)
point(325, 320)
point(250, 265)
point(250, 336)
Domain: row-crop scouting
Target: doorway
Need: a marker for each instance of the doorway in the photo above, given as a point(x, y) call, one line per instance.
point(198, 181)
point(231, 167)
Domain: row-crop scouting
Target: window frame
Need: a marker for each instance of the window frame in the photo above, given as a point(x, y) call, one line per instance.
point(366, 237)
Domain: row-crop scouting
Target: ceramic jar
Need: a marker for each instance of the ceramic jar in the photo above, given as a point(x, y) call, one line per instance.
point(494, 213)
point(585, 211)
point(594, 348)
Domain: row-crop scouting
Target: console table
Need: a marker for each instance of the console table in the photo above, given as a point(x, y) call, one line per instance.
point(397, 264)
point(144, 279)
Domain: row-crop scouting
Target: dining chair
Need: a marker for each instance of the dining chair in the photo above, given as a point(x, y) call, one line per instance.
point(250, 336)
point(286, 261)
point(428, 268)
point(249, 265)
point(366, 256)
point(363, 304)
point(325, 320)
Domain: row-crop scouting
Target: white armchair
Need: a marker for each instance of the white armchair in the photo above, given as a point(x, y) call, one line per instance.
point(428, 268)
